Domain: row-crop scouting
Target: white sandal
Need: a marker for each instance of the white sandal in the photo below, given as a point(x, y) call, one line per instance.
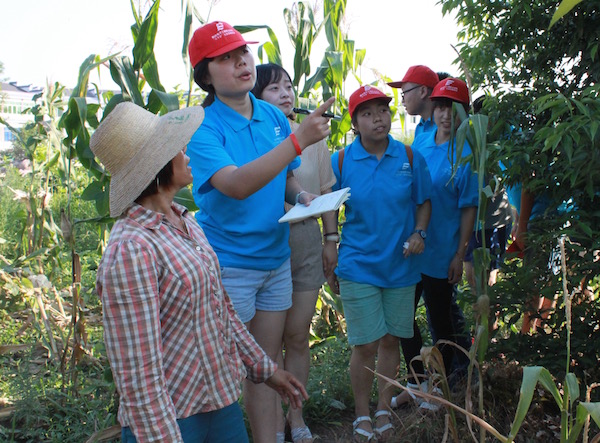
point(386, 427)
point(370, 436)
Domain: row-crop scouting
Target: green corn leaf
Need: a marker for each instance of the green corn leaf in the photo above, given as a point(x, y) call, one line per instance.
point(93, 191)
point(143, 49)
point(185, 197)
point(531, 376)
point(572, 386)
point(123, 75)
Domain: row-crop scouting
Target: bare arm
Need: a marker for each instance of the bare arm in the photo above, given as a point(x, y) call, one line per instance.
point(467, 221)
point(241, 182)
point(330, 253)
point(527, 200)
point(416, 244)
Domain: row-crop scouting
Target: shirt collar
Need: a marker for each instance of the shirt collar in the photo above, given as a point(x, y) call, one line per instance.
point(148, 218)
point(426, 123)
point(234, 119)
point(360, 153)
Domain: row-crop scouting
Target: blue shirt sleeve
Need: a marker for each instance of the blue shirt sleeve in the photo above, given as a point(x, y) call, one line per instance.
point(336, 171)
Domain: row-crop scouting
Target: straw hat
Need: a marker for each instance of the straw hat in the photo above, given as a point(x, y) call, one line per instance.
point(135, 144)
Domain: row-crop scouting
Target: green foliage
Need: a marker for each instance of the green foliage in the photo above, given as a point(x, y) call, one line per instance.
point(328, 382)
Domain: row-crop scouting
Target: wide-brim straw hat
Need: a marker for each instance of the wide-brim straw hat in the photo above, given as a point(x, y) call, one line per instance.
point(135, 144)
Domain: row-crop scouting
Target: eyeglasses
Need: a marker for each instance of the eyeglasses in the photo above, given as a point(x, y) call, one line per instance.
point(403, 93)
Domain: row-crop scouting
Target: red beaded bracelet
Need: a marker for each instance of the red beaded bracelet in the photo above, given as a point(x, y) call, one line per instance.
point(295, 143)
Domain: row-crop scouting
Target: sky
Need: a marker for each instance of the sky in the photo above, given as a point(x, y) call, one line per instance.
point(47, 40)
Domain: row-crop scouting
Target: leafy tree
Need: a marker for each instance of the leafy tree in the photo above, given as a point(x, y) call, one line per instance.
point(542, 88)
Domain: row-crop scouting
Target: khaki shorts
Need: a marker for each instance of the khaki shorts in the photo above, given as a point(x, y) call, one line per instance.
point(307, 255)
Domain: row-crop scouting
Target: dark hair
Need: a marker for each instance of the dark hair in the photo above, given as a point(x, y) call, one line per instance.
point(478, 104)
point(443, 75)
point(443, 102)
point(265, 75)
point(164, 177)
point(200, 74)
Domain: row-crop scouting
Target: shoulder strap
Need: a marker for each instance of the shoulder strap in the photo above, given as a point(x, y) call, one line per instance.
point(341, 160)
point(409, 153)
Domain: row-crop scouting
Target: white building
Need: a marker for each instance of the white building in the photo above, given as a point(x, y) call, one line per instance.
point(14, 101)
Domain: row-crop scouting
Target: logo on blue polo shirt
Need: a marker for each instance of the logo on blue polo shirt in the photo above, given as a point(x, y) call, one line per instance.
point(277, 131)
point(405, 170)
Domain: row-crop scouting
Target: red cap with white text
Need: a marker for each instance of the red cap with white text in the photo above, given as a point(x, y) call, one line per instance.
point(453, 89)
point(364, 94)
point(214, 39)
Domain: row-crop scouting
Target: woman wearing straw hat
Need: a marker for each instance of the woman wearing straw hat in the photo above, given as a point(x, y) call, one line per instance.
point(177, 349)
point(242, 160)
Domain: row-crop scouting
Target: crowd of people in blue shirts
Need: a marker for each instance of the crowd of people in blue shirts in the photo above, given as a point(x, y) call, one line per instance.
point(246, 313)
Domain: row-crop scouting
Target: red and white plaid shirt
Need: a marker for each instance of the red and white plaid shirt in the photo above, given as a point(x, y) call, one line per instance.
point(175, 344)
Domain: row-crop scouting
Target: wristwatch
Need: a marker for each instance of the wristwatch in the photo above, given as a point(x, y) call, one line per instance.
point(332, 237)
point(422, 233)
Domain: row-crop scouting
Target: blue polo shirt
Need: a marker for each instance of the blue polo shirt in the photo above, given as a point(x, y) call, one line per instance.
point(448, 198)
point(425, 126)
point(380, 214)
point(243, 233)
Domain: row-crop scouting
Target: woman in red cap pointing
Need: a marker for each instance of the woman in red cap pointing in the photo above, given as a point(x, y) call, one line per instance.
point(242, 161)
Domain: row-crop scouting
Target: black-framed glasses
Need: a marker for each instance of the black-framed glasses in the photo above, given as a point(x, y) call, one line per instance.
point(403, 93)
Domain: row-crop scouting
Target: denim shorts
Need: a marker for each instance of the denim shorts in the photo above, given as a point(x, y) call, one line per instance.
point(371, 311)
point(251, 290)
point(221, 426)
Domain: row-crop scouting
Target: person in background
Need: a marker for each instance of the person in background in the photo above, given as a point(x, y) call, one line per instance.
point(386, 220)
point(417, 85)
point(177, 349)
point(453, 211)
point(311, 260)
point(242, 160)
point(498, 224)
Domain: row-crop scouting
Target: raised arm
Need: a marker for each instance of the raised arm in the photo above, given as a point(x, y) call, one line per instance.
point(241, 182)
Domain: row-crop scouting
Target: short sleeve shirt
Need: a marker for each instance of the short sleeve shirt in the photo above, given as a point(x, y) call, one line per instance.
point(380, 214)
point(244, 233)
point(450, 195)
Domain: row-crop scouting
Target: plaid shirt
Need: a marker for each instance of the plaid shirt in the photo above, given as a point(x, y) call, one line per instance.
point(175, 344)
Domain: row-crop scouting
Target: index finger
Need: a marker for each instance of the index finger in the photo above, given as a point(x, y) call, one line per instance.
point(321, 109)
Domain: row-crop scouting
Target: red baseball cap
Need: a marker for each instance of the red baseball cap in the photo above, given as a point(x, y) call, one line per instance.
point(419, 74)
point(364, 94)
point(453, 89)
point(214, 39)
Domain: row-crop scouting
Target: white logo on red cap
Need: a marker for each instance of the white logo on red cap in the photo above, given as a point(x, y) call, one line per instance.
point(368, 90)
point(222, 32)
point(448, 86)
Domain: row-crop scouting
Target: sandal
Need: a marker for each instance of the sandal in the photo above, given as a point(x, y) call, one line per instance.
point(379, 430)
point(359, 432)
point(280, 437)
point(301, 434)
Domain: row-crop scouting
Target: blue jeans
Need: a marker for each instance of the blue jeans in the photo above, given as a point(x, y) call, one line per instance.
point(221, 426)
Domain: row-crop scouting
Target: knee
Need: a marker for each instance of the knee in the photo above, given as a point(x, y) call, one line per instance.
point(296, 340)
point(366, 351)
point(389, 341)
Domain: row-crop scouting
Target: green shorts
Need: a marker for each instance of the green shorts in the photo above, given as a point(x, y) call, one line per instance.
point(371, 311)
